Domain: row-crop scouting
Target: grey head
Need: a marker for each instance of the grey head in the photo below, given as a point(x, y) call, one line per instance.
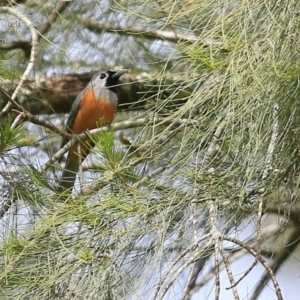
point(108, 79)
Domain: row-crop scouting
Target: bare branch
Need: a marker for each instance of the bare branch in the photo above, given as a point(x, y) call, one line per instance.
point(216, 235)
point(150, 35)
point(34, 43)
point(193, 258)
point(211, 274)
point(25, 45)
point(230, 275)
point(213, 148)
point(261, 260)
point(267, 170)
point(150, 175)
point(234, 256)
point(10, 2)
point(117, 126)
point(279, 258)
point(26, 116)
point(83, 136)
point(61, 6)
point(191, 279)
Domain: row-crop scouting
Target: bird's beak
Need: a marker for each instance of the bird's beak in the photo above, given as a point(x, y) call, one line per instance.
point(119, 73)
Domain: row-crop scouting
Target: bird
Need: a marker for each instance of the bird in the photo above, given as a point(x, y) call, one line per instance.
point(95, 106)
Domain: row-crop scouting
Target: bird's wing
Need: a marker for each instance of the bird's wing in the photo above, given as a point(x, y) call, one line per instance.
point(72, 116)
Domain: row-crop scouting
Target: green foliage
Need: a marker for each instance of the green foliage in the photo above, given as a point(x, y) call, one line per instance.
point(106, 144)
point(12, 246)
point(10, 137)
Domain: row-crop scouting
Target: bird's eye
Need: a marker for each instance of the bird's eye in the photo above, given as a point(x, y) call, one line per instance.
point(102, 76)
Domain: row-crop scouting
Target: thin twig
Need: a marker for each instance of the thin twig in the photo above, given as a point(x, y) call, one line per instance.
point(80, 171)
point(230, 275)
point(234, 256)
point(261, 260)
point(211, 274)
point(16, 122)
point(178, 259)
point(61, 6)
point(150, 175)
point(34, 44)
point(25, 45)
point(150, 34)
point(190, 260)
point(27, 116)
point(191, 275)
point(213, 148)
point(216, 235)
point(267, 170)
point(84, 136)
point(117, 126)
point(233, 285)
point(278, 261)
point(99, 185)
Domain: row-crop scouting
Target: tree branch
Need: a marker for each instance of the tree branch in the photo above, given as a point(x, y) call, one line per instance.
point(117, 126)
point(150, 35)
point(34, 43)
point(57, 93)
point(234, 256)
point(62, 5)
point(280, 257)
point(267, 170)
point(10, 2)
point(25, 45)
point(181, 255)
point(261, 260)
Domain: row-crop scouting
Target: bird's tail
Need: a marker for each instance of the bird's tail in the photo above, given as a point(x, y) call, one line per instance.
point(72, 165)
point(69, 173)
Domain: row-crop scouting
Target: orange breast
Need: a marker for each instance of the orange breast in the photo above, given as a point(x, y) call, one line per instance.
point(93, 113)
